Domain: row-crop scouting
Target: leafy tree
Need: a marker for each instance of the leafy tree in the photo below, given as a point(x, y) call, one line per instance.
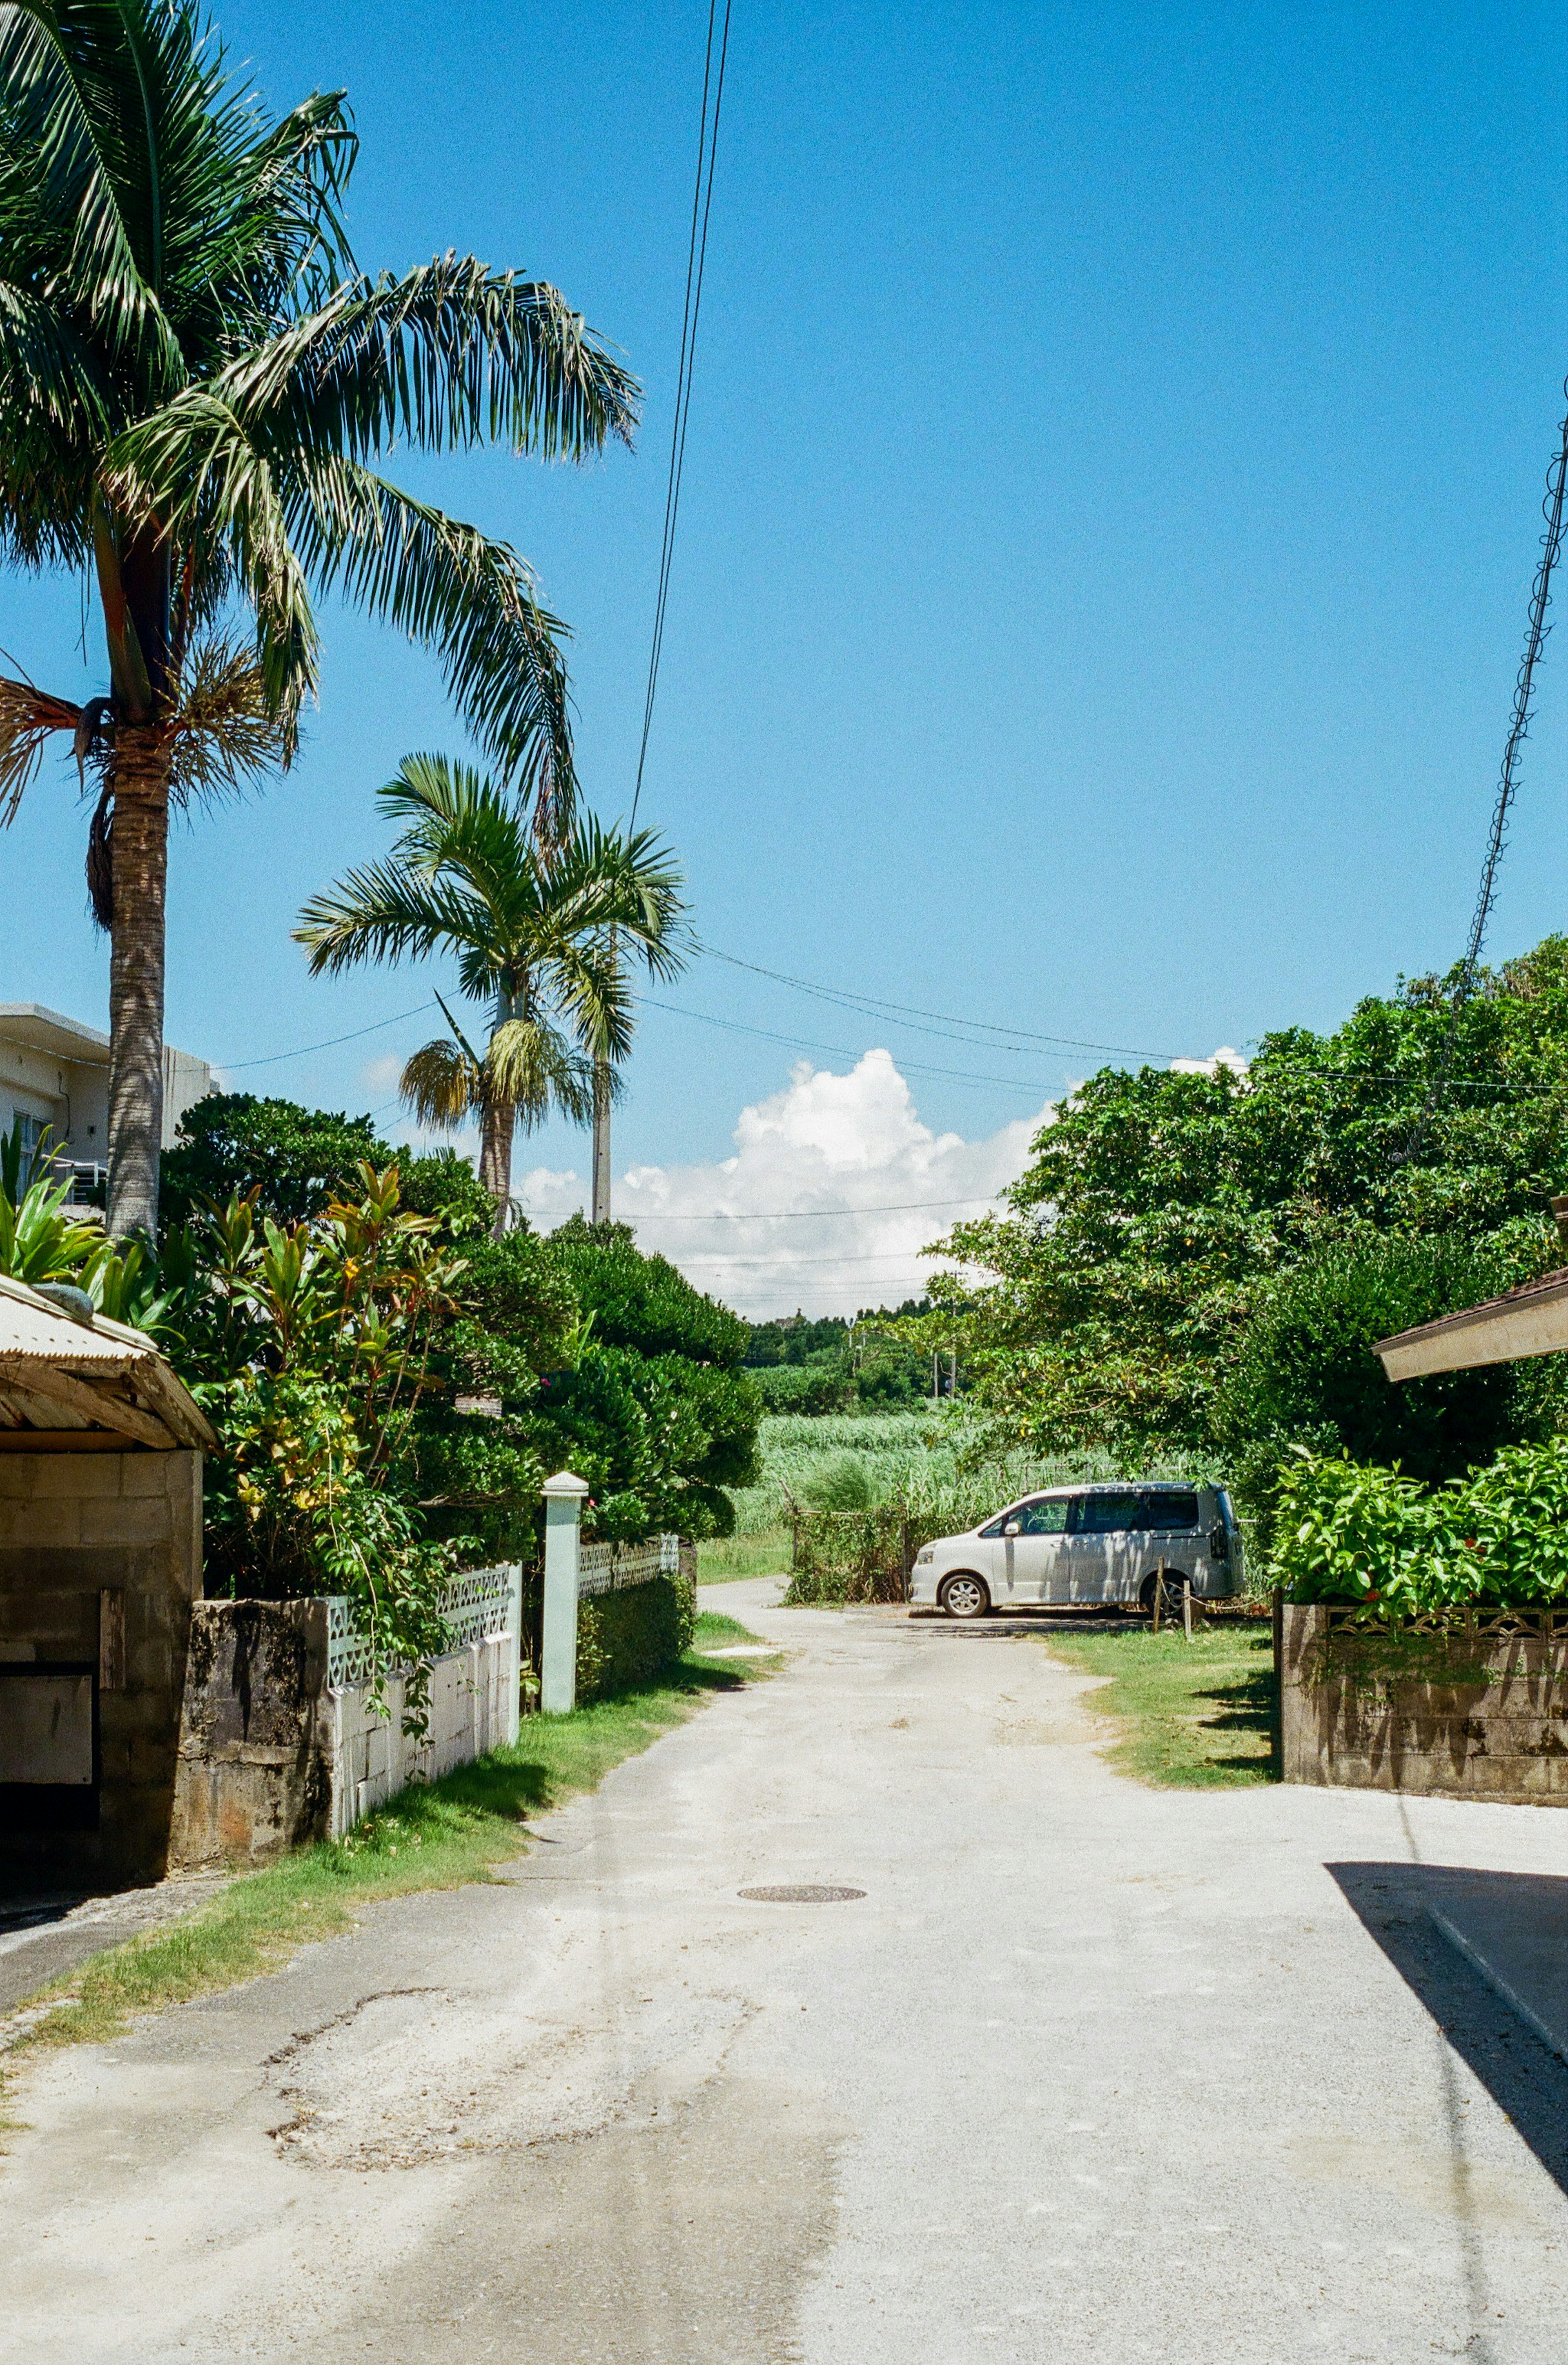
point(440, 1183)
point(641, 1301)
point(575, 1351)
point(529, 920)
point(1161, 1209)
point(294, 1159)
point(197, 378)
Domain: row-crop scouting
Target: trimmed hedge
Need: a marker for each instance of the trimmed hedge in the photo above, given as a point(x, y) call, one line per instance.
point(629, 1637)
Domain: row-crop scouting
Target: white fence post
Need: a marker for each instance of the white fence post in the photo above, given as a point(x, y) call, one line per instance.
point(563, 1499)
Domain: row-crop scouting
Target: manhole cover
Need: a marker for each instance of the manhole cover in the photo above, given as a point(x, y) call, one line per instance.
point(801, 1896)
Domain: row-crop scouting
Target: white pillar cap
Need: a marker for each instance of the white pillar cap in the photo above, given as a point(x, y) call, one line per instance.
point(564, 1483)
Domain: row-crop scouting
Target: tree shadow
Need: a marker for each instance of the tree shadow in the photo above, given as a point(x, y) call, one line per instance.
point(1512, 1916)
point(1245, 1707)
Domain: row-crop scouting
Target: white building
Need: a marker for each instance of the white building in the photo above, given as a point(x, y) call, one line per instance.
point(54, 1075)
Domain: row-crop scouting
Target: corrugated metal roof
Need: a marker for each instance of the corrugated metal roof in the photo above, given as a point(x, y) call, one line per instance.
point(70, 1375)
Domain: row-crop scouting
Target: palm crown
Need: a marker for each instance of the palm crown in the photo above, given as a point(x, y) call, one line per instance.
point(530, 926)
point(196, 377)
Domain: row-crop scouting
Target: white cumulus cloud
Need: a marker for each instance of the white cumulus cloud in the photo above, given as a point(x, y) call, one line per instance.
point(1224, 1057)
point(835, 1185)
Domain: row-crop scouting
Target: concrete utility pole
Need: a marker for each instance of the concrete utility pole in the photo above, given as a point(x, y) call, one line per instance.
point(601, 1142)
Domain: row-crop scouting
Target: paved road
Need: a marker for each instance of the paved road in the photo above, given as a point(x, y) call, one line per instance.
point(1091, 2072)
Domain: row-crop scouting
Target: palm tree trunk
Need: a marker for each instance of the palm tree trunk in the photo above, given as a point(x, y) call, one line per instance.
point(497, 1123)
point(140, 860)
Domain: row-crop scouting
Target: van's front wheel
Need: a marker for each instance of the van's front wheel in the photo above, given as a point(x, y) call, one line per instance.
point(965, 1597)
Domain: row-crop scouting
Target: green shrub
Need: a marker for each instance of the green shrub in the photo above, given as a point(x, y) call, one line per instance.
point(1372, 1536)
point(629, 1637)
point(849, 1556)
point(296, 1158)
point(803, 1389)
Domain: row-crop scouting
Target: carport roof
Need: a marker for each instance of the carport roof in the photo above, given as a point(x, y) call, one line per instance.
point(86, 1385)
point(1530, 1320)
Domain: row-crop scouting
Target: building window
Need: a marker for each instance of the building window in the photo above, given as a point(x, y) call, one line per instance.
point(32, 1130)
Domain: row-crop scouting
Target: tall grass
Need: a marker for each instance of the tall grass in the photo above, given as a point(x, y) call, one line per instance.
point(923, 1459)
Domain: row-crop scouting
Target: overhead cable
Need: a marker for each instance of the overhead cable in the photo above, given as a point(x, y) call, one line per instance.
point(696, 264)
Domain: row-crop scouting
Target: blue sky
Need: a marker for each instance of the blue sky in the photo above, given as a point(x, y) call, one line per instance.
point(1112, 494)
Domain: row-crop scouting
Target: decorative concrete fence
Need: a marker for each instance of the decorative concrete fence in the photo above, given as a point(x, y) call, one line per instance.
point(281, 1742)
point(1470, 1704)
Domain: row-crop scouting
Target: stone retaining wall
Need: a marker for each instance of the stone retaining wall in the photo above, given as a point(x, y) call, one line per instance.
point(272, 1756)
point(1475, 1706)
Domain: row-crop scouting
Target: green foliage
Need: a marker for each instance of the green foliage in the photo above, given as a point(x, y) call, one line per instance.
point(1374, 1537)
point(594, 1358)
point(826, 1366)
point(840, 1483)
point(294, 1159)
point(630, 1636)
point(38, 1241)
point(1161, 1209)
point(644, 1302)
point(659, 1439)
point(850, 1555)
point(309, 1348)
point(804, 1389)
point(1304, 1367)
point(441, 1185)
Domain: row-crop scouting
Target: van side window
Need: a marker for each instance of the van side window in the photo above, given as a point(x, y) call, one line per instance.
point(1047, 1518)
point(1168, 1511)
point(1103, 1515)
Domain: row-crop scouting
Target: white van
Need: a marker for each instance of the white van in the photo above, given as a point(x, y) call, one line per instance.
point(1086, 1544)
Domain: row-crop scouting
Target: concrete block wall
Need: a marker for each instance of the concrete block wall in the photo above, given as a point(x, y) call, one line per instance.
point(76, 1528)
point(1480, 1718)
point(473, 1708)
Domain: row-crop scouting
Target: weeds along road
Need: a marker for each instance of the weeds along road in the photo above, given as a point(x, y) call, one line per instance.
point(1091, 2071)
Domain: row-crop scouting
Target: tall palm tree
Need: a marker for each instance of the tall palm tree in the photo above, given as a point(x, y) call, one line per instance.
point(529, 921)
point(194, 377)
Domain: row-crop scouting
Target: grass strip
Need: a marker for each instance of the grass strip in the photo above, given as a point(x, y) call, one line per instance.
point(720, 1560)
point(1195, 1715)
point(433, 1835)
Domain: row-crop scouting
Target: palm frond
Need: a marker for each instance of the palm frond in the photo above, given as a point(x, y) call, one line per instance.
point(530, 1065)
point(192, 465)
point(450, 354)
point(28, 716)
point(470, 599)
point(226, 739)
point(48, 366)
point(78, 81)
point(385, 912)
point(441, 1084)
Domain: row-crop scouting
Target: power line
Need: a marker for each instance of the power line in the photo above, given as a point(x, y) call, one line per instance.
point(838, 1050)
point(795, 1214)
point(848, 999)
point(1518, 728)
point(696, 265)
point(275, 1058)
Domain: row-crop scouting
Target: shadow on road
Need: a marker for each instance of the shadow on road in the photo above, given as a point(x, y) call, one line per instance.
point(1395, 1904)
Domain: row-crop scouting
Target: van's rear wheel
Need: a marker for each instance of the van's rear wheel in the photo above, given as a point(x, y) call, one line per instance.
point(1171, 1605)
point(965, 1597)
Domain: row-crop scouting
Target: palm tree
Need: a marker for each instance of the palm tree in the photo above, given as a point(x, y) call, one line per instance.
point(529, 922)
point(194, 378)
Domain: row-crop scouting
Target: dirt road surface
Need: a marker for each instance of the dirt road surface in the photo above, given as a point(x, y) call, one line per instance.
point(1090, 2071)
